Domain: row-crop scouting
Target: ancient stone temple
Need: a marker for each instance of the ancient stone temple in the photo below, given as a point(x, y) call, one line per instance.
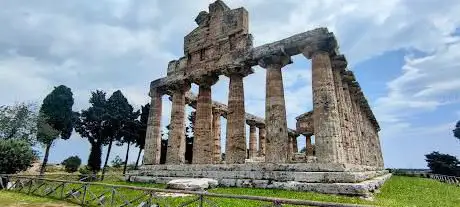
point(346, 157)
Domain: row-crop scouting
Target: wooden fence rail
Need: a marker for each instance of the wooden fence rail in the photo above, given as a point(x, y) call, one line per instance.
point(101, 194)
point(446, 179)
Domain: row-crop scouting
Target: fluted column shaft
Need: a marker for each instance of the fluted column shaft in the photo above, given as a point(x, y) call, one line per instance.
point(235, 152)
point(325, 111)
point(349, 116)
point(275, 110)
point(252, 141)
point(153, 137)
point(309, 146)
point(216, 136)
point(295, 149)
point(262, 134)
point(203, 140)
point(176, 141)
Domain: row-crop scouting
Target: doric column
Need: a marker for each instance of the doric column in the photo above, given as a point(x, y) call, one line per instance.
point(292, 144)
point(152, 150)
point(358, 123)
point(262, 134)
point(351, 121)
point(216, 114)
point(339, 63)
point(252, 139)
point(309, 145)
point(176, 140)
point(235, 152)
point(203, 140)
point(275, 110)
point(325, 108)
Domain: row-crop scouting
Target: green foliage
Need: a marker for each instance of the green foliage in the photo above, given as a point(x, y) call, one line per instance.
point(72, 164)
point(93, 126)
point(56, 112)
point(18, 122)
point(457, 130)
point(117, 162)
point(15, 156)
point(443, 164)
point(55, 119)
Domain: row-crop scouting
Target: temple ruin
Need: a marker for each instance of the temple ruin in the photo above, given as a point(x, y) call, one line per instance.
point(348, 157)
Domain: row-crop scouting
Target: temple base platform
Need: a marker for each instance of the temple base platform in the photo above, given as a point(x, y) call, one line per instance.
point(343, 179)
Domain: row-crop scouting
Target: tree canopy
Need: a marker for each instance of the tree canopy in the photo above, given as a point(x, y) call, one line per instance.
point(457, 130)
point(18, 122)
point(15, 156)
point(92, 125)
point(55, 119)
point(443, 164)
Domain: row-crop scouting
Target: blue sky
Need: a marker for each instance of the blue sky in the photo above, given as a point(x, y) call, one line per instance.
point(404, 53)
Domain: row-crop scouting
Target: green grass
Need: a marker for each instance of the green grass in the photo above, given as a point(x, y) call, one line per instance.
point(10, 199)
point(398, 191)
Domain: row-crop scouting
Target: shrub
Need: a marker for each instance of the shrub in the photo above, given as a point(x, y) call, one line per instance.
point(117, 162)
point(15, 156)
point(72, 164)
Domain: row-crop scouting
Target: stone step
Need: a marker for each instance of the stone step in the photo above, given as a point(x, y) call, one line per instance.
point(282, 176)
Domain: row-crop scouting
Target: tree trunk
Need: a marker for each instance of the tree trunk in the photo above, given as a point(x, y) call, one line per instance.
point(106, 159)
point(45, 159)
point(138, 157)
point(126, 159)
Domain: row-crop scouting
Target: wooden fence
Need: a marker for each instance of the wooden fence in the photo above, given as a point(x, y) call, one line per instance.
point(100, 194)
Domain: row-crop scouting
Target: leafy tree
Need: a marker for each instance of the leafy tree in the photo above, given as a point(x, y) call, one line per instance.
point(92, 125)
point(72, 164)
point(142, 131)
point(118, 115)
point(55, 119)
point(457, 130)
point(117, 162)
point(15, 156)
point(443, 164)
point(189, 137)
point(130, 134)
point(18, 122)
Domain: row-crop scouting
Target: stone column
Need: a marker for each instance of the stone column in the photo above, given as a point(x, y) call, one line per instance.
point(216, 114)
point(275, 110)
point(325, 110)
point(295, 149)
point(351, 122)
point(235, 152)
point(152, 150)
point(176, 141)
point(262, 134)
point(252, 140)
point(339, 63)
point(358, 123)
point(309, 145)
point(203, 141)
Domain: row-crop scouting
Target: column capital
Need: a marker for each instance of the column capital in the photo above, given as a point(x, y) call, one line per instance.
point(206, 80)
point(159, 91)
point(182, 86)
point(242, 71)
point(279, 60)
point(252, 123)
point(218, 111)
point(339, 62)
point(328, 45)
point(293, 133)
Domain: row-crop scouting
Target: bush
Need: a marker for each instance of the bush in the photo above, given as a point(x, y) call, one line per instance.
point(86, 174)
point(71, 164)
point(15, 156)
point(117, 162)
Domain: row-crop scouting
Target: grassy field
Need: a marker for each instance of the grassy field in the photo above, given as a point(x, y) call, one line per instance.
point(398, 191)
point(11, 199)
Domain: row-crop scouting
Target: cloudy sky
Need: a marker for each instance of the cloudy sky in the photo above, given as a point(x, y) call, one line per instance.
point(405, 54)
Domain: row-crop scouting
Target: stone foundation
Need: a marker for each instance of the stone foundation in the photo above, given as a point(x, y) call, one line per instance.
point(328, 178)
